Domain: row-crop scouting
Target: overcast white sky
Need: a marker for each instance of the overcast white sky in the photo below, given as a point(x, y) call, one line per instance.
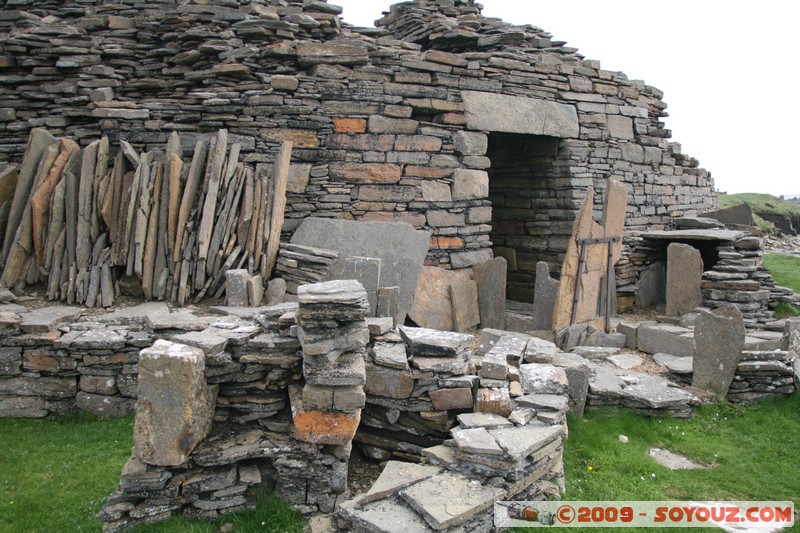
point(728, 70)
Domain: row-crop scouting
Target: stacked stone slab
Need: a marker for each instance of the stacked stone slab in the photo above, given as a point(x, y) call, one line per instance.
point(94, 218)
point(300, 265)
point(334, 335)
point(381, 119)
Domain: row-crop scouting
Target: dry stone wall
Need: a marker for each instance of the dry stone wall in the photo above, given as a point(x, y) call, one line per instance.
point(397, 123)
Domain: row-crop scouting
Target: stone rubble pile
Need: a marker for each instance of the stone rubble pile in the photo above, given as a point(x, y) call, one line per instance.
point(80, 220)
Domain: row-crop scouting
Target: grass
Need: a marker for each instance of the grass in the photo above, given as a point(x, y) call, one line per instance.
point(786, 271)
point(56, 474)
point(762, 203)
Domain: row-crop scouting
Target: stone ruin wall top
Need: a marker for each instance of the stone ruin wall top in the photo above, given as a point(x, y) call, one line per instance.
point(382, 119)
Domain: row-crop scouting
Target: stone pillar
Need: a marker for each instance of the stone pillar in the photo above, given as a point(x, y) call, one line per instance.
point(684, 277)
point(175, 407)
point(791, 335)
point(718, 344)
point(333, 334)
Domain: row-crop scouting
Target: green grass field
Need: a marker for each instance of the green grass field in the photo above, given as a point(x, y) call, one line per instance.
point(765, 203)
point(786, 271)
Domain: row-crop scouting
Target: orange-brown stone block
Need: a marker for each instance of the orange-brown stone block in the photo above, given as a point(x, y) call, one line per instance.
point(447, 243)
point(497, 401)
point(349, 125)
point(319, 427)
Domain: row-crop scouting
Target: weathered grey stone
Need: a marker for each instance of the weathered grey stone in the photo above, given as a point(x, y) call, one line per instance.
point(673, 363)
point(389, 304)
point(388, 382)
point(684, 276)
point(650, 394)
point(380, 326)
point(433, 343)
point(432, 306)
point(629, 330)
point(47, 318)
point(98, 339)
point(494, 366)
point(23, 407)
point(540, 350)
point(174, 409)
point(470, 184)
point(470, 142)
point(674, 461)
point(791, 335)
point(449, 499)
point(365, 270)
point(651, 287)
point(464, 303)
point(543, 379)
point(665, 338)
point(491, 279)
point(718, 344)
point(211, 343)
point(441, 365)
point(476, 440)
point(390, 354)
point(483, 420)
point(255, 290)
point(44, 386)
point(397, 475)
point(520, 442)
point(236, 287)
point(518, 114)
point(603, 339)
point(452, 399)
point(383, 516)
point(626, 361)
point(738, 215)
point(578, 383)
point(572, 336)
point(276, 291)
point(544, 298)
point(400, 248)
point(102, 405)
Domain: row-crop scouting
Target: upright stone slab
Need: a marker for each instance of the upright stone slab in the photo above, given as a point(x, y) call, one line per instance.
point(791, 336)
point(491, 279)
point(432, 307)
point(544, 297)
point(650, 289)
point(582, 275)
point(365, 270)
point(464, 301)
point(400, 247)
point(718, 343)
point(389, 304)
point(236, 287)
point(684, 276)
point(174, 410)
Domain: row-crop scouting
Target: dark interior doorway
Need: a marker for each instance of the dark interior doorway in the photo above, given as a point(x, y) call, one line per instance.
point(532, 206)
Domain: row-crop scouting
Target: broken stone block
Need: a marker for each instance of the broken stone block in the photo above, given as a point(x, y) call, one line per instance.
point(433, 343)
point(390, 354)
point(543, 379)
point(276, 291)
point(388, 382)
point(326, 427)
point(491, 279)
point(452, 399)
point(397, 475)
point(665, 338)
point(236, 287)
point(47, 318)
point(791, 336)
point(255, 290)
point(494, 400)
point(450, 499)
point(494, 365)
point(483, 420)
point(718, 344)
point(684, 277)
point(521, 442)
point(174, 408)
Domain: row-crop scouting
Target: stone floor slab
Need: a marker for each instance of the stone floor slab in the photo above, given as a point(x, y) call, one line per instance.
point(449, 499)
point(396, 476)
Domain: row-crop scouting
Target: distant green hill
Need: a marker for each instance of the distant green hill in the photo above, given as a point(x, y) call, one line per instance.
point(785, 215)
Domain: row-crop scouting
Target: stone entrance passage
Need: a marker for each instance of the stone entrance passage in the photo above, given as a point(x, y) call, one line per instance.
point(532, 206)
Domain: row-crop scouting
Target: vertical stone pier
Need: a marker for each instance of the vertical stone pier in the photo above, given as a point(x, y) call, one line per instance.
point(334, 335)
